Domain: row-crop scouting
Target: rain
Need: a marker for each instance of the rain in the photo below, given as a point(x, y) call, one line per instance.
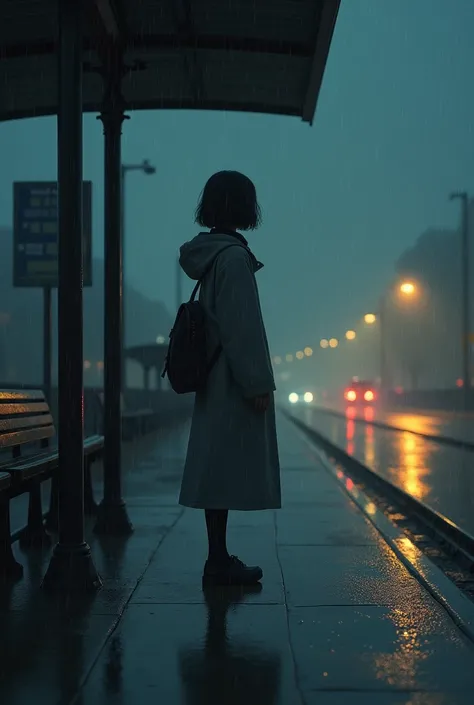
point(236, 352)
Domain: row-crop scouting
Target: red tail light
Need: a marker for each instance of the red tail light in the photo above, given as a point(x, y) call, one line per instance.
point(369, 395)
point(350, 395)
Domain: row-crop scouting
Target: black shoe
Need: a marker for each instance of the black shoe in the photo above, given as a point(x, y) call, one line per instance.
point(231, 572)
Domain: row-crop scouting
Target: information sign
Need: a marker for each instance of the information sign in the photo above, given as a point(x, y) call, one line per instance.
point(35, 234)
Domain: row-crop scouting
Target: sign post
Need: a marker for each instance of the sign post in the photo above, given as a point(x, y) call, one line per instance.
point(35, 250)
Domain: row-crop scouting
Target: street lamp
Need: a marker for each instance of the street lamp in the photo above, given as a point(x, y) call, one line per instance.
point(408, 289)
point(147, 169)
point(466, 377)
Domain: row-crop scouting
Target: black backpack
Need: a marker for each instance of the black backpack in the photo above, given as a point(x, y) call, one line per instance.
point(187, 365)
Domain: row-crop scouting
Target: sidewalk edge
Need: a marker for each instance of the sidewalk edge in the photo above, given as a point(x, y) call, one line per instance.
point(441, 588)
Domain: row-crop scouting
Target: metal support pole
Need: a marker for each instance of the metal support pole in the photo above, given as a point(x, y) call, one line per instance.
point(123, 345)
point(466, 373)
point(71, 565)
point(383, 348)
point(112, 515)
point(47, 342)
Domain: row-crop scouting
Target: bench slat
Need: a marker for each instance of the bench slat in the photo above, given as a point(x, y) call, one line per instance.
point(20, 395)
point(37, 465)
point(17, 438)
point(18, 423)
point(26, 468)
point(16, 408)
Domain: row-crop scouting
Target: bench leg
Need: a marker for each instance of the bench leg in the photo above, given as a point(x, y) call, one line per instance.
point(90, 506)
point(52, 520)
point(35, 534)
point(10, 569)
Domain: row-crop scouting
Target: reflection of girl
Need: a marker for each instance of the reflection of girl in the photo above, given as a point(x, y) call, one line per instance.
point(226, 670)
point(232, 460)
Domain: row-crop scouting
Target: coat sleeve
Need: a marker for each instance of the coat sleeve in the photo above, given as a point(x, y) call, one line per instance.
point(241, 328)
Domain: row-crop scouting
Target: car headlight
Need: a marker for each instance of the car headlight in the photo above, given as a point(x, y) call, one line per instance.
point(293, 398)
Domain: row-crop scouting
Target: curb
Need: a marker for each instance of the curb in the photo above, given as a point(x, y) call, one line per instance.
point(441, 588)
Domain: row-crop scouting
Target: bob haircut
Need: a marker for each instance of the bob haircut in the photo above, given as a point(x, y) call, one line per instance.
point(229, 200)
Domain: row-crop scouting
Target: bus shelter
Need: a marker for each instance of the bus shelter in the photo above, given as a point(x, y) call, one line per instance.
point(64, 57)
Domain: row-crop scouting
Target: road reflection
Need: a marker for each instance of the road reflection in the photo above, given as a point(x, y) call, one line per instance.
point(441, 476)
point(412, 469)
point(455, 425)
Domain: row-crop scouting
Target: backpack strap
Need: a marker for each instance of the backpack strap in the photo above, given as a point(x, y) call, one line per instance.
point(209, 267)
point(215, 355)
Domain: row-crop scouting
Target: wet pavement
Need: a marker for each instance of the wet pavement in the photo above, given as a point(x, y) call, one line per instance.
point(338, 619)
point(133, 453)
point(440, 476)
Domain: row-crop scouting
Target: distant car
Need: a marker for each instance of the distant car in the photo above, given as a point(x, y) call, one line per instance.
point(360, 392)
point(305, 397)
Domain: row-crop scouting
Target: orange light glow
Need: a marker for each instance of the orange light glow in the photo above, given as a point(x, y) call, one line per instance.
point(407, 288)
point(350, 395)
point(369, 395)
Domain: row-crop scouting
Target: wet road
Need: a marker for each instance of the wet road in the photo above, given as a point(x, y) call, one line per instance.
point(455, 425)
point(440, 476)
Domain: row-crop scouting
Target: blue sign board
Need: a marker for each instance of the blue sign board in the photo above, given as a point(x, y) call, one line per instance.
point(35, 233)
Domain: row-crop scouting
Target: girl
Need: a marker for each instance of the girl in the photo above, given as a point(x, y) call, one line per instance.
point(232, 460)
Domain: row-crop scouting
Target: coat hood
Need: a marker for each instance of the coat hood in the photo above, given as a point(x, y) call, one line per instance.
point(197, 255)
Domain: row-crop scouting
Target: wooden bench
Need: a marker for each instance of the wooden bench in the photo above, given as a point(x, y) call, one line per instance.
point(26, 460)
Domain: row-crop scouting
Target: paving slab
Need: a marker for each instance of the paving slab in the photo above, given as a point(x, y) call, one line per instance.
point(379, 648)
point(214, 653)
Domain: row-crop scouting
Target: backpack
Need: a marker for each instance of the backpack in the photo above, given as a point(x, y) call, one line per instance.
point(187, 365)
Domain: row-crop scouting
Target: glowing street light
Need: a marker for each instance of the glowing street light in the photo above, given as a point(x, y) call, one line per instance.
point(308, 352)
point(277, 360)
point(333, 343)
point(408, 288)
point(350, 335)
point(289, 358)
point(324, 343)
point(299, 355)
point(370, 318)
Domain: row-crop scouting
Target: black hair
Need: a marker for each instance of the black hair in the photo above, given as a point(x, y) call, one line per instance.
point(229, 199)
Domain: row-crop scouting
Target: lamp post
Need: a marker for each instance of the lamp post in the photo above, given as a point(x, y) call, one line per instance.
point(406, 289)
point(465, 324)
point(149, 170)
